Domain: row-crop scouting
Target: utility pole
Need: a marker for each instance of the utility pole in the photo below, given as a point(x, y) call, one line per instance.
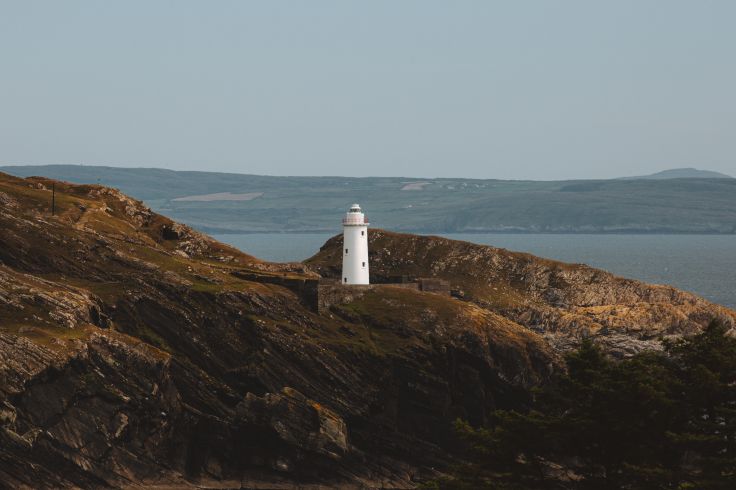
point(53, 199)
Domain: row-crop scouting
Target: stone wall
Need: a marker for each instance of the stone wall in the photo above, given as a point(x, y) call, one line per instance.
point(434, 285)
point(320, 295)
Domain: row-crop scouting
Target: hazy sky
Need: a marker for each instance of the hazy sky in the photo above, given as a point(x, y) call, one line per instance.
point(515, 89)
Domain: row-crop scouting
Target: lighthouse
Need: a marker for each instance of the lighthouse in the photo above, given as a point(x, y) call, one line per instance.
point(355, 247)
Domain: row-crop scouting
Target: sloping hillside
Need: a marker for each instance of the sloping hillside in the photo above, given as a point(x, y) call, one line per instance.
point(562, 302)
point(134, 353)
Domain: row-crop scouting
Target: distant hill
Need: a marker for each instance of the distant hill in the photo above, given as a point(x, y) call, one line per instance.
point(240, 203)
point(682, 173)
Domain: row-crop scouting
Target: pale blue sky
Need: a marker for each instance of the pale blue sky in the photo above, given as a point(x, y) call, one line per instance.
point(516, 89)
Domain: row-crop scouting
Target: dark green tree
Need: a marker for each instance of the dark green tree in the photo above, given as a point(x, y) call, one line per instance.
point(657, 420)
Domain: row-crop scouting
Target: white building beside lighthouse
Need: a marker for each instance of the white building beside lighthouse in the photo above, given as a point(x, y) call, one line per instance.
point(355, 247)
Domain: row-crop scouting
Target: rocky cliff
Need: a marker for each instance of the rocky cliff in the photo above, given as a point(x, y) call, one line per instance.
point(135, 351)
point(564, 303)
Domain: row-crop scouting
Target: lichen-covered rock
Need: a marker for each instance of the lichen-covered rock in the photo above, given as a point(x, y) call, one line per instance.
point(7, 202)
point(564, 302)
point(137, 213)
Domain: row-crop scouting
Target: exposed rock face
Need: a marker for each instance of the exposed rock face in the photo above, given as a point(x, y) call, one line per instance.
point(562, 302)
point(135, 351)
point(6, 201)
point(298, 421)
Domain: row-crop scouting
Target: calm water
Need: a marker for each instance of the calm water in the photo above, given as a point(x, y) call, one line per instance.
point(703, 264)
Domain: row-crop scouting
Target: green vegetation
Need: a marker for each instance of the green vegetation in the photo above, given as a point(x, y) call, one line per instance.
point(388, 316)
point(657, 420)
point(437, 206)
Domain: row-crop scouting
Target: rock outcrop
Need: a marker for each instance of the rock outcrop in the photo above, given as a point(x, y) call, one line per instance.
point(136, 352)
point(564, 303)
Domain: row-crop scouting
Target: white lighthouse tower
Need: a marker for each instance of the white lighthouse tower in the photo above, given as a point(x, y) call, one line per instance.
point(355, 247)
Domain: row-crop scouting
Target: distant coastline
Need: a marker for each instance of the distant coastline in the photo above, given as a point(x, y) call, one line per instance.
point(679, 201)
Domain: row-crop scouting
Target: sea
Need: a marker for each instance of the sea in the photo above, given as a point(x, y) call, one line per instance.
point(702, 264)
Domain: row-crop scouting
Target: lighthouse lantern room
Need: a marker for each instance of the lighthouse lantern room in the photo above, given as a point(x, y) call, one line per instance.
point(355, 247)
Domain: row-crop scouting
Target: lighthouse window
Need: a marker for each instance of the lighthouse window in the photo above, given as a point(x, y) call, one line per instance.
point(345, 279)
point(362, 233)
point(346, 250)
point(363, 264)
